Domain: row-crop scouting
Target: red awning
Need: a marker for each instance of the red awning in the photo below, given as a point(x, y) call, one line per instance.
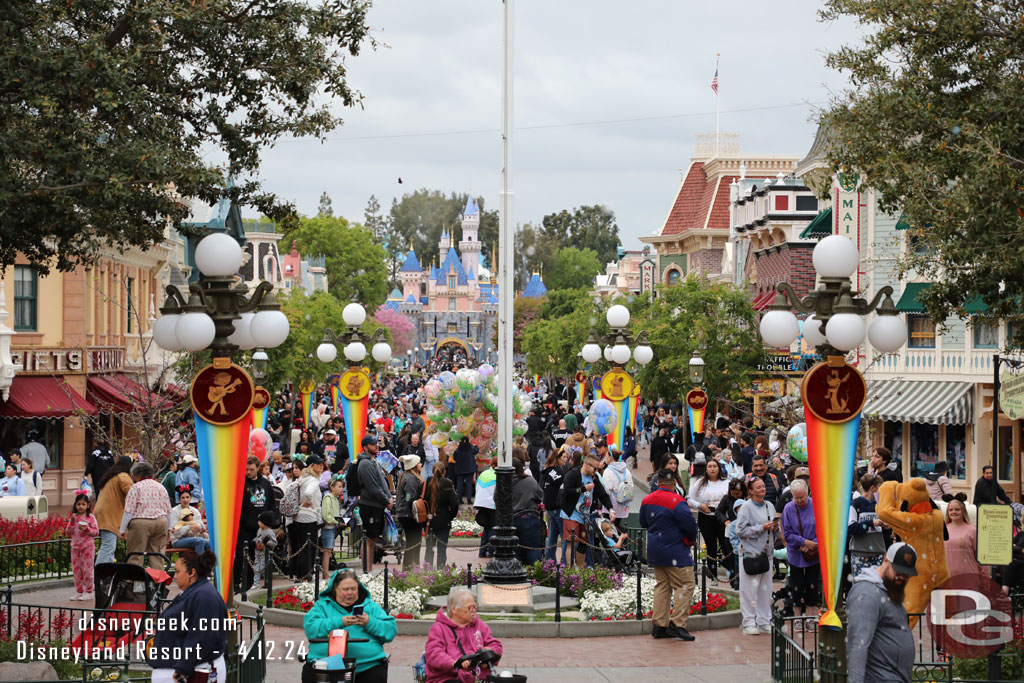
point(44, 397)
point(765, 300)
point(118, 393)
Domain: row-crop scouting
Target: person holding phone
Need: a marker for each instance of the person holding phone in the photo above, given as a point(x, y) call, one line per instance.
point(346, 604)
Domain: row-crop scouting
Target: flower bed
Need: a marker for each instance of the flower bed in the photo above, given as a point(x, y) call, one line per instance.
point(620, 603)
point(574, 581)
point(462, 528)
point(31, 530)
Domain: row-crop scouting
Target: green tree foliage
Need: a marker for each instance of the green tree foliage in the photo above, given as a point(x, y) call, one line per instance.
point(593, 226)
point(533, 250)
point(421, 217)
point(932, 121)
point(325, 205)
point(561, 302)
point(572, 269)
point(552, 345)
point(309, 316)
point(714, 317)
point(109, 110)
point(356, 267)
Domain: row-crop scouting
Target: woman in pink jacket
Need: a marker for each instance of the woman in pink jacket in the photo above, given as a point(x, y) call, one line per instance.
point(458, 632)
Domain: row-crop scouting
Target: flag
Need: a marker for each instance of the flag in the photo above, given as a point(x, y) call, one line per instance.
point(714, 81)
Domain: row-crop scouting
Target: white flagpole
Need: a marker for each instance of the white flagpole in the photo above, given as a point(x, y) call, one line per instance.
point(506, 241)
point(718, 58)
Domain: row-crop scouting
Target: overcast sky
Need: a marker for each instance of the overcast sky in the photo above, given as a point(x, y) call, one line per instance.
point(609, 98)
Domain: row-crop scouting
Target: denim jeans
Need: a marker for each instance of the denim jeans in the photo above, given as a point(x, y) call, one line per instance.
point(108, 544)
point(531, 534)
point(200, 545)
point(464, 487)
point(437, 540)
point(554, 533)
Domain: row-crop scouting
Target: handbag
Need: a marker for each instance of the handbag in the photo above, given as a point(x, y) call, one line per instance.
point(811, 556)
point(760, 563)
point(419, 507)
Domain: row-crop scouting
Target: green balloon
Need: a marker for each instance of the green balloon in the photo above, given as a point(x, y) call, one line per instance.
point(455, 435)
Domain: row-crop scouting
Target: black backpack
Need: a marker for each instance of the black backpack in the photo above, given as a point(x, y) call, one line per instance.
point(352, 485)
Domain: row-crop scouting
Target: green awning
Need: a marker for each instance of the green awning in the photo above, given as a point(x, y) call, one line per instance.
point(909, 302)
point(976, 306)
point(821, 226)
point(903, 223)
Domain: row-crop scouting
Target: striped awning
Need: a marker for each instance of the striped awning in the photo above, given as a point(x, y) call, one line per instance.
point(938, 402)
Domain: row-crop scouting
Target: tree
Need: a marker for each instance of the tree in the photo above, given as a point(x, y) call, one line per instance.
point(325, 205)
point(593, 226)
point(533, 251)
point(572, 269)
point(400, 328)
point(932, 122)
point(356, 268)
point(552, 345)
point(109, 110)
point(422, 216)
point(561, 302)
point(715, 318)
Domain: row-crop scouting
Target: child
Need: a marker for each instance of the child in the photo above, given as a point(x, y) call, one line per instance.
point(614, 540)
point(330, 509)
point(82, 529)
point(266, 538)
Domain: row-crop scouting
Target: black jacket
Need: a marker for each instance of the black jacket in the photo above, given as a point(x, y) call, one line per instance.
point(257, 497)
point(989, 492)
point(551, 483)
point(447, 505)
point(572, 487)
point(97, 464)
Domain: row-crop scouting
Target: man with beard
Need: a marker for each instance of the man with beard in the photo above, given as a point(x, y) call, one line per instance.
point(879, 644)
point(257, 498)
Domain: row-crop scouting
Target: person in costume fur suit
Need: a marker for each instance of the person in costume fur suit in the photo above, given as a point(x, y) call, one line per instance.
point(909, 510)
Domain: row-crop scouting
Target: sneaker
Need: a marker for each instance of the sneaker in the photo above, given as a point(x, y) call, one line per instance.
point(661, 632)
point(86, 597)
point(680, 633)
point(751, 631)
point(764, 629)
point(77, 596)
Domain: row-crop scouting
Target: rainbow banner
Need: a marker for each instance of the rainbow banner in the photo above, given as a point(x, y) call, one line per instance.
point(596, 383)
point(306, 390)
point(536, 381)
point(335, 384)
point(696, 407)
point(354, 399)
point(619, 433)
point(581, 393)
point(833, 394)
point(634, 408)
point(259, 417)
point(222, 452)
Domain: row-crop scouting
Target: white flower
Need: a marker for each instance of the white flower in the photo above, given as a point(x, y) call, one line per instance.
point(618, 602)
point(467, 525)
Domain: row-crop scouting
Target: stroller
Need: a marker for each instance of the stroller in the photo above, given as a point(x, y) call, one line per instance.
point(127, 595)
point(605, 555)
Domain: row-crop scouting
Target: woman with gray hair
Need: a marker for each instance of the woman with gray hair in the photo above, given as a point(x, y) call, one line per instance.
point(456, 633)
point(801, 548)
point(144, 521)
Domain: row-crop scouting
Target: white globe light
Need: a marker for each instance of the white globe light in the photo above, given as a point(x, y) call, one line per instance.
point(164, 334)
point(353, 314)
point(218, 254)
point(845, 331)
point(835, 256)
point(608, 353)
point(617, 316)
point(812, 332)
point(779, 329)
point(355, 352)
point(620, 354)
point(195, 331)
point(242, 336)
point(591, 353)
point(643, 354)
point(327, 352)
point(887, 333)
point(269, 328)
point(381, 352)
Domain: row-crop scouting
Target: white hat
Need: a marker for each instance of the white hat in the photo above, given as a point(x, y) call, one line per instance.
point(189, 458)
point(409, 461)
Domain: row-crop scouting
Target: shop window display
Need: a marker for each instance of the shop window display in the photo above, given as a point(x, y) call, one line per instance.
point(956, 451)
point(924, 448)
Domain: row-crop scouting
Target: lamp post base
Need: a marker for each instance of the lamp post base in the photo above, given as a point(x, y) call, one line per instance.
point(504, 567)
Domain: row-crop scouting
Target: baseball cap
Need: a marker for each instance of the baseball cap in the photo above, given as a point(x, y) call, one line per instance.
point(903, 558)
point(331, 432)
point(314, 460)
point(368, 441)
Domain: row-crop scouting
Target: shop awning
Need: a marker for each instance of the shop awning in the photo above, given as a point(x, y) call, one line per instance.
point(821, 226)
point(924, 402)
point(118, 393)
point(44, 397)
point(764, 301)
point(909, 302)
point(903, 223)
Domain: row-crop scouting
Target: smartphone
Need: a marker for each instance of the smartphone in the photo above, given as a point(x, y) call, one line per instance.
point(357, 611)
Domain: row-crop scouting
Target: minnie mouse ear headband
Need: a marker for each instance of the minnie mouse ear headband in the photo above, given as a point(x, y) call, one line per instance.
point(184, 488)
point(82, 492)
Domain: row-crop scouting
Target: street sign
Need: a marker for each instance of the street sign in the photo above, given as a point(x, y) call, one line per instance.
point(1011, 394)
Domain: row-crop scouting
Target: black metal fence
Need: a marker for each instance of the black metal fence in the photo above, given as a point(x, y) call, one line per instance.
point(42, 560)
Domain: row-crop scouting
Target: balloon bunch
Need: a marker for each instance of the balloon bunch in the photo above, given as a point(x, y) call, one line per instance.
point(465, 403)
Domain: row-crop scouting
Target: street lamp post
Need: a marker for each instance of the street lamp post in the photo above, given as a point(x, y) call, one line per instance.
point(833, 394)
point(222, 316)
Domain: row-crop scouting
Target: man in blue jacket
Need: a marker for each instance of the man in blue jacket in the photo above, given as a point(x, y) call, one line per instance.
point(671, 530)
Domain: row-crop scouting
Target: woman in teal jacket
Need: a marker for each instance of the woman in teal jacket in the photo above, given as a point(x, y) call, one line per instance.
point(333, 610)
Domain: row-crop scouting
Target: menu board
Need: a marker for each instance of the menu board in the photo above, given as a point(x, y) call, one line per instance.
point(995, 534)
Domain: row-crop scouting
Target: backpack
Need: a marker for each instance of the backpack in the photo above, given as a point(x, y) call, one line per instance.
point(624, 491)
point(290, 503)
point(352, 486)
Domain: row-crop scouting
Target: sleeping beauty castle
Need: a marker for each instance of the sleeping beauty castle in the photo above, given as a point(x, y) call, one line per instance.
point(453, 306)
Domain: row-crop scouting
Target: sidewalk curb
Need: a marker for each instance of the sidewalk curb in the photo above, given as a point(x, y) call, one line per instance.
point(31, 587)
point(523, 629)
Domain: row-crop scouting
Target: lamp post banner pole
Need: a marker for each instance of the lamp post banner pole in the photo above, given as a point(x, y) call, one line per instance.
point(306, 389)
point(260, 408)
point(696, 407)
point(354, 400)
point(335, 384)
point(833, 394)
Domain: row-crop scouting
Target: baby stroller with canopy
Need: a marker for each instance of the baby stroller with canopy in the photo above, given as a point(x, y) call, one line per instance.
point(606, 554)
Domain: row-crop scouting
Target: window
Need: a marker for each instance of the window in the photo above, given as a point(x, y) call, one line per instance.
point(922, 332)
point(1013, 328)
point(986, 333)
point(1004, 465)
point(451, 303)
point(919, 246)
point(25, 282)
point(129, 288)
point(451, 282)
point(956, 451)
point(673, 276)
point(924, 448)
point(806, 203)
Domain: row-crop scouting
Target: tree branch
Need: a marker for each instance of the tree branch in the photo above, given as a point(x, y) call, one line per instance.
point(120, 30)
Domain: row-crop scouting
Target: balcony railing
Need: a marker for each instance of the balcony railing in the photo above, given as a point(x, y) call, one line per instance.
point(936, 361)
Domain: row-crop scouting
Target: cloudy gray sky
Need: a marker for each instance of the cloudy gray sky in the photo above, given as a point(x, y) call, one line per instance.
point(609, 98)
